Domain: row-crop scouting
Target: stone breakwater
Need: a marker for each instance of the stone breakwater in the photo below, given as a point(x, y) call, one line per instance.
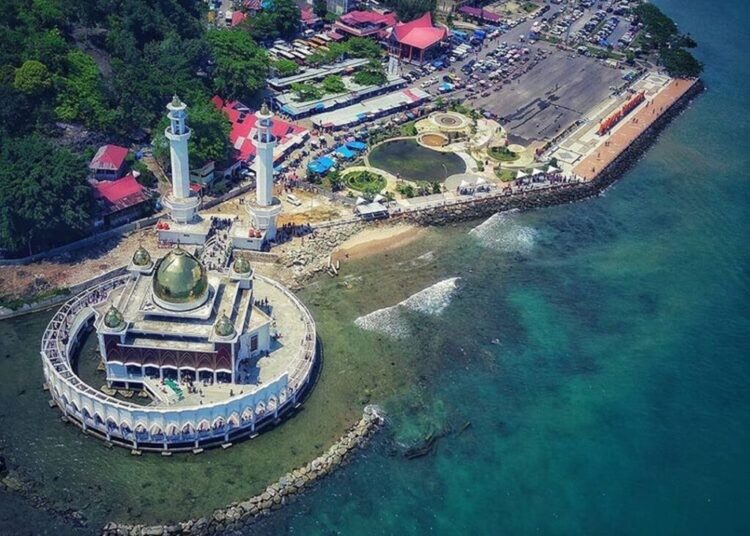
point(240, 515)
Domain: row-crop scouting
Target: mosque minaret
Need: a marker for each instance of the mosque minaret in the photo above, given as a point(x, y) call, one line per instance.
point(266, 207)
point(181, 204)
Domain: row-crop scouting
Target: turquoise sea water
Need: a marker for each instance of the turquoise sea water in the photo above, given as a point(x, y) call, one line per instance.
point(614, 400)
point(617, 400)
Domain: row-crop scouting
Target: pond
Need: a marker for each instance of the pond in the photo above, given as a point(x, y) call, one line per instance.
point(412, 161)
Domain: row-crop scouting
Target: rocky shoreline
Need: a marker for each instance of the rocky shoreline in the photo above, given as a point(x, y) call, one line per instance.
point(303, 261)
point(242, 514)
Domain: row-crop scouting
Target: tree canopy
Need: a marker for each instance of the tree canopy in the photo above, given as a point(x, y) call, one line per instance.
point(32, 78)
point(241, 66)
point(108, 66)
point(285, 67)
point(663, 35)
point(408, 10)
point(44, 196)
point(680, 63)
point(371, 74)
point(333, 84)
point(280, 19)
point(320, 8)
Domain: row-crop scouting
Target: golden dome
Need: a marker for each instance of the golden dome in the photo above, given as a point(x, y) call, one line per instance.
point(180, 278)
point(113, 318)
point(224, 326)
point(141, 257)
point(242, 265)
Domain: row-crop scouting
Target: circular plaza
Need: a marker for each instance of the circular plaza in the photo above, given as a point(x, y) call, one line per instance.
point(213, 355)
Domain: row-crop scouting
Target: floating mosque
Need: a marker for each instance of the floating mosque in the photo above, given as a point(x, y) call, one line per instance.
point(195, 354)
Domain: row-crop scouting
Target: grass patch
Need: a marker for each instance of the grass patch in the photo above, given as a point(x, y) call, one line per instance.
point(505, 175)
point(502, 154)
point(365, 182)
point(529, 7)
point(408, 129)
point(602, 53)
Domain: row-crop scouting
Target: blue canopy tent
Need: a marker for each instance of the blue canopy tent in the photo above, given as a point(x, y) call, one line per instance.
point(320, 165)
point(344, 151)
point(356, 145)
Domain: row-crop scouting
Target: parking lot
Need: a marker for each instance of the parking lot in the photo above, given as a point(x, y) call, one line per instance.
point(551, 96)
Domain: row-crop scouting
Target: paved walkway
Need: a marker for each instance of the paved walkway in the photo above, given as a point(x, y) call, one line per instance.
point(630, 128)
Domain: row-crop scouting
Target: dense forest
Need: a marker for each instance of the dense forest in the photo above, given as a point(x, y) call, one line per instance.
point(109, 66)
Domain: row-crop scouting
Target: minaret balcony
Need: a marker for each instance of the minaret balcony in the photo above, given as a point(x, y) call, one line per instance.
point(177, 137)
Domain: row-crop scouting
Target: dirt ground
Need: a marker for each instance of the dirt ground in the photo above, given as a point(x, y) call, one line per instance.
point(75, 267)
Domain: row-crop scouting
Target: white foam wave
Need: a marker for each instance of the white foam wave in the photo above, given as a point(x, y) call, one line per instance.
point(390, 320)
point(502, 232)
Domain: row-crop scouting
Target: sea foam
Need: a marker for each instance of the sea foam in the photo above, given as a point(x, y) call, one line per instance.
point(390, 320)
point(502, 232)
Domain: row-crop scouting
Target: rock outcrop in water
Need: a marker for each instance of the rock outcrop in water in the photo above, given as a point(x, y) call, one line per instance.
point(243, 514)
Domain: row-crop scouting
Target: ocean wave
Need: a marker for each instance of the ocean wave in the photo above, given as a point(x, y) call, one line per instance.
point(502, 232)
point(390, 320)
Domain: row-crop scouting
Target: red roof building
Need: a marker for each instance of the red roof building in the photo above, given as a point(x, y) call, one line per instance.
point(109, 162)
point(365, 23)
point(417, 40)
point(237, 18)
point(308, 16)
point(119, 200)
point(288, 135)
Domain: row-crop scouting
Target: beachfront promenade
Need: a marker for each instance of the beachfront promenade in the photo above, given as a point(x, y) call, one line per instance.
point(630, 128)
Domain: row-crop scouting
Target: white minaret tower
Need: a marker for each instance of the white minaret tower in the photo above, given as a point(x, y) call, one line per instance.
point(266, 208)
point(181, 205)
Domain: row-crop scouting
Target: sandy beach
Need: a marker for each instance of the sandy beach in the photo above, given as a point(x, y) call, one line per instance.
point(376, 240)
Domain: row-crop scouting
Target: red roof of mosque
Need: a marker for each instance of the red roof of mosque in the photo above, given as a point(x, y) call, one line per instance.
point(419, 33)
point(243, 125)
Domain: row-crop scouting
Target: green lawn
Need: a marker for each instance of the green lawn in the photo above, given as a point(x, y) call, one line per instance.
point(365, 182)
point(502, 154)
point(505, 175)
point(408, 129)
